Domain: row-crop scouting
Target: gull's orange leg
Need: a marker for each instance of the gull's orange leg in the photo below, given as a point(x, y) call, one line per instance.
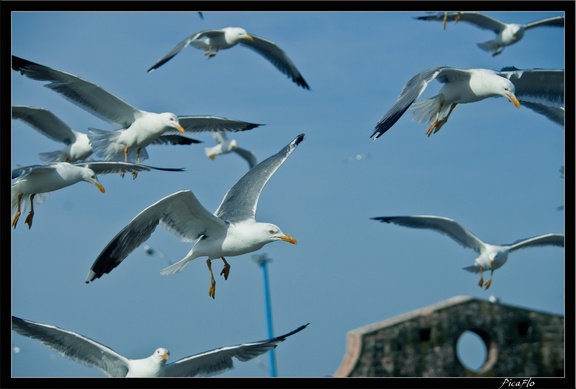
point(18, 213)
point(135, 174)
point(226, 270)
point(31, 213)
point(125, 159)
point(489, 281)
point(440, 123)
point(457, 17)
point(433, 124)
point(212, 290)
point(210, 53)
point(481, 282)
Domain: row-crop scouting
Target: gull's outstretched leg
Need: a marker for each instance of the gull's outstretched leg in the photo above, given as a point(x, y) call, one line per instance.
point(212, 290)
point(433, 124)
point(481, 282)
point(125, 159)
point(226, 270)
point(18, 213)
point(440, 123)
point(31, 213)
point(488, 281)
point(445, 19)
point(135, 174)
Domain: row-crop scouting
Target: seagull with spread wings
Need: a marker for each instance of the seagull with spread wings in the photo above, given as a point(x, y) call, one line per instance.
point(230, 231)
point(78, 147)
point(462, 86)
point(34, 182)
point(138, 128)
point(492, 256)
point(506, 33)
point(88, 352)
point(212, 41)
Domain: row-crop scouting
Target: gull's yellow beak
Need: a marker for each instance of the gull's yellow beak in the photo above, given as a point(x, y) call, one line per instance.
point(249, 37)
point(99, 186)
point(212, 156)
point(288, 238)
point(513, 99)
point(180, 128)
point(165, 356)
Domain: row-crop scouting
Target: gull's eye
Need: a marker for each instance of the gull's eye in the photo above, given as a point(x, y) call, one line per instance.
point(271, 231)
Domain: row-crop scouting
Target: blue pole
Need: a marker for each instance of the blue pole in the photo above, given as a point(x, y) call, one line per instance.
point(262, 260)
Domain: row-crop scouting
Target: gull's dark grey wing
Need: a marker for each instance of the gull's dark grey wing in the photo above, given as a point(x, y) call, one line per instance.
point(213, 123)
point(218, 360)
point(180, 213)
point(540, 240)
point(410, 93)
point(555, 21)
point(556, 114)
point(45, 122)
point(439, 224)
point(174, 139)
point(544, 86)
point(84, 94)
point(277, 57)
point(104, 167)
point(182, 45)
point(241, 200)
point(74, 346)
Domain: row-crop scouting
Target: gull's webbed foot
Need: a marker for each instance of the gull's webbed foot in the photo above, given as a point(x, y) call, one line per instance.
point(226, 270)
point(488, 282)
point(134, 175)
point(212, 290)
point(16, 217)
point(18, 213)
point(29, 219)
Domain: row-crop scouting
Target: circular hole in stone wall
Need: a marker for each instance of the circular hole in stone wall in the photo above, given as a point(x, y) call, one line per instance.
point(471, 350)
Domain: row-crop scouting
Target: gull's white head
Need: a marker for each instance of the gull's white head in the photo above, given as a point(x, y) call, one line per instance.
point(88, 175)
point(161, 354)
point(507, 89)
point(493, 258)
point(271, 233)
point(171, 120)
point(234, 35)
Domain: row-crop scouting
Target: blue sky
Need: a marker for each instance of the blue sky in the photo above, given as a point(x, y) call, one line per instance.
point(492, 167)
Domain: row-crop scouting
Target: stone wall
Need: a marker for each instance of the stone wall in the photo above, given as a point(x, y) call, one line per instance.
point(519, 342)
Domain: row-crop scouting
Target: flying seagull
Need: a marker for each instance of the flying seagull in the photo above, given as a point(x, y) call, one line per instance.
point(225, 145)
point(138, 128)
point(231, 231)
point(461, 86)
point(506, 33)
point(38, 180)
point(492, 256)
point(78, 147)
point(212, 41)
point(88, 352)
